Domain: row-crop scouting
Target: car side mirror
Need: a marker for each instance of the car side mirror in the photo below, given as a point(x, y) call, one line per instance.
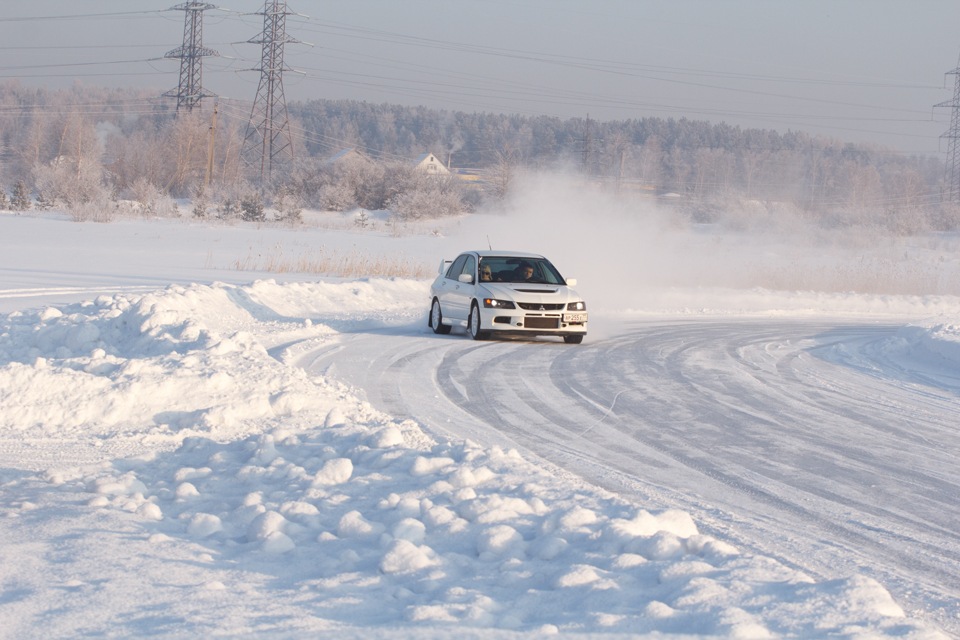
point(571, 282)
point(465, 278)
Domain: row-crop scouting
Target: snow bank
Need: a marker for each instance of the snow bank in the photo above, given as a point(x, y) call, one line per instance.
point(283, 490)
point(935, 340)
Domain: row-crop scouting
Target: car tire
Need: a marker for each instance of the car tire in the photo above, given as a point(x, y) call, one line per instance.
point(436, 319)
point(473, 325)
point(575, 339)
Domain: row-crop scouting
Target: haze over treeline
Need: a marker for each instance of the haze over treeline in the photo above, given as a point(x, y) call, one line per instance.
point(85, 145)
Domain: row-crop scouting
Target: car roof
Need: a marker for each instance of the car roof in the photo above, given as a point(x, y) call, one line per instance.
point(505, 254)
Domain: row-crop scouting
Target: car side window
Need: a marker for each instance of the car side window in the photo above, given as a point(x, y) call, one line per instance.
point(457, 267)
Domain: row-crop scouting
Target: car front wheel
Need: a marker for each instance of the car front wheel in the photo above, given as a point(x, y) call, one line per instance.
point(436, 318)
point(576, 339)
point(474, 324)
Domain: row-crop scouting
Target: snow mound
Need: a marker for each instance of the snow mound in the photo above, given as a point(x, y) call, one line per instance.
point(279, 495)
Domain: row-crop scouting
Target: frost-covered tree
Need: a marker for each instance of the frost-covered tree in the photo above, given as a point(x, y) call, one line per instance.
point(4, 200)
point(142, 154)
point(716, 164)
point(502, 174)
point(289, 204)
point(74, 177)
point(349, 182)
point(362, 220)
point(228, 208)
point(44, 201)
point(336, 196)
point(186, 145)
point(252, 209)
point(72, 185)
point(200, 203)
point(428, 197)
point(21, 197)
point(228, 197)
point(150, 199)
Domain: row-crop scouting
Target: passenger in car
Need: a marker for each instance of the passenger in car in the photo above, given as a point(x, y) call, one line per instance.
point(486, 274)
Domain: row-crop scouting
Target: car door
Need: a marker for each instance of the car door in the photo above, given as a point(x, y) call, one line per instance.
point(453, 293)
point(461, 292)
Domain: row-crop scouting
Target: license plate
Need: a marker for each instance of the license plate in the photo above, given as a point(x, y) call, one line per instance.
point(574, 318)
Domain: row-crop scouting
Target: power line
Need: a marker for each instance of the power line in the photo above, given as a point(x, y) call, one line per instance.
point(81, 16)
point(475, 91)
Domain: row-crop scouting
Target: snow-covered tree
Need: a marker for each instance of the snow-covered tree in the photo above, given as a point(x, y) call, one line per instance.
point(44, 201)
point(21, 197)
point(289, 204)
point(200, 203)
point(71, 184)
point(336, 196)
point(251, 208)
point(428, 197)
point(152, 200)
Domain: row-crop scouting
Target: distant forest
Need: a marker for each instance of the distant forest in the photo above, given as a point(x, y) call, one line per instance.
point(85, 146)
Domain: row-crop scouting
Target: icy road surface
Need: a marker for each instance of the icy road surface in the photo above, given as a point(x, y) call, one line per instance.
point(807, 441)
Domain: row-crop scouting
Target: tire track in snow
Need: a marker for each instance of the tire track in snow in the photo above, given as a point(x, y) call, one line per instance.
point(913, 540)
point(746, 418)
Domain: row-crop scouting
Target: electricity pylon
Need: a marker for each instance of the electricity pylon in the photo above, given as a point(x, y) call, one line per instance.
point(268, 142)
point(191, 53)
point(952, 174)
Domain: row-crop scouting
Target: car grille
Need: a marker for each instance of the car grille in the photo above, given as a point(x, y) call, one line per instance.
point(536, 306)
point(537, 322)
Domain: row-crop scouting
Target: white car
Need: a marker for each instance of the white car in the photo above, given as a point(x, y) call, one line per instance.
point(506, 293)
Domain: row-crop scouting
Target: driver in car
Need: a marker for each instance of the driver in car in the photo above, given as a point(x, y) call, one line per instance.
point(524, 272)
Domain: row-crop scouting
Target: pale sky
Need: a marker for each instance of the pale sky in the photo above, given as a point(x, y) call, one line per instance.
point(856, 70)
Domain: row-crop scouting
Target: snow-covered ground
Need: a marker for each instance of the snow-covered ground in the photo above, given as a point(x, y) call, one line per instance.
point(757, 439)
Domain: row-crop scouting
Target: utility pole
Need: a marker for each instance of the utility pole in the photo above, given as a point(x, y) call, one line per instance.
point(587, 146)
point(191, 53)
point(267, 141)
point(210, 146)
point(620, 172)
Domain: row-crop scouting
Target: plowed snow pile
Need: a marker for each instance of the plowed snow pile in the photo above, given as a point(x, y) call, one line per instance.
point(167, 469)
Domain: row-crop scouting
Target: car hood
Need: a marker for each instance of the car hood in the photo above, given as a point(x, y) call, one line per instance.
point(531, 292)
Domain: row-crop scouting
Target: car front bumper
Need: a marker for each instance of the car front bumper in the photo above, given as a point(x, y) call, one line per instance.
point(546, 323)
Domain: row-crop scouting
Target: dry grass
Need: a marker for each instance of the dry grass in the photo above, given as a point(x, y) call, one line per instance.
point(352, 264)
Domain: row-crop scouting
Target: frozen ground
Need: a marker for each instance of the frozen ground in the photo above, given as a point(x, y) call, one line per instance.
point(187, 448)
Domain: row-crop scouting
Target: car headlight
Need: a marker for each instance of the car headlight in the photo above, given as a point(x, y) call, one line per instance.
point(579, 305)
point(492, 303)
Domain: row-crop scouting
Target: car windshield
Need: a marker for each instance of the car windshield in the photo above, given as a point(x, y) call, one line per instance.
point(518, 269)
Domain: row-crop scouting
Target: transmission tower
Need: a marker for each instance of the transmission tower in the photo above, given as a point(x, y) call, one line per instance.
point(952, 177)
point(267, 142)
point(191, 53)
